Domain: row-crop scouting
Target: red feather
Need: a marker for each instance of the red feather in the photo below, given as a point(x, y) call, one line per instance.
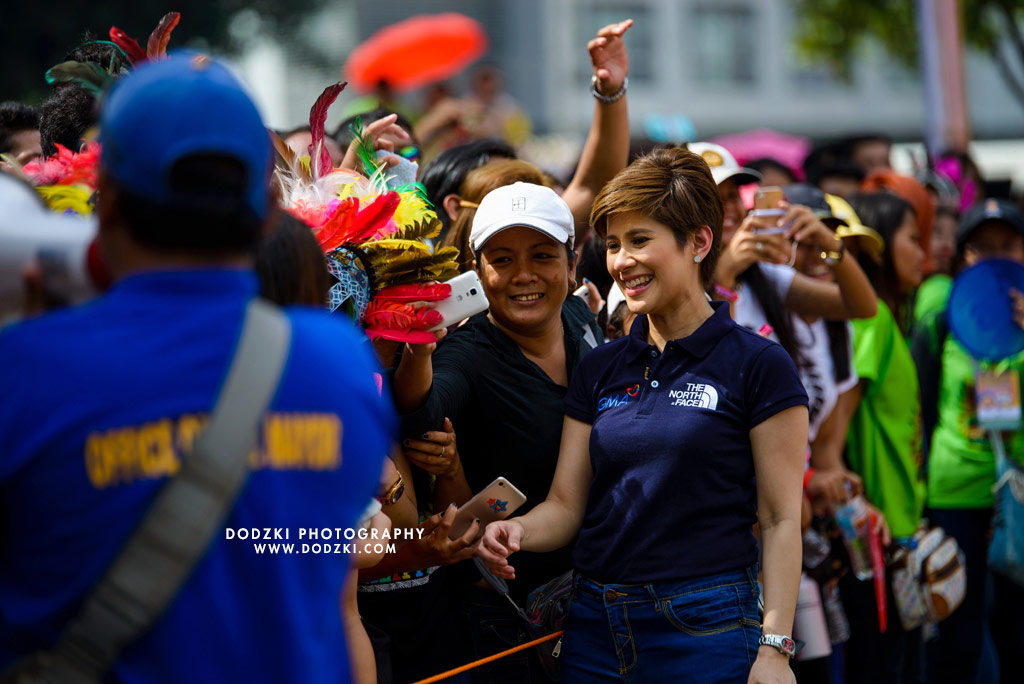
point(130, 46)
point(416, 292)
point(397, 316)
point(83, 167)
point(373, 218)
point(317, 119)
point(390, 315)
point(161, 35)
point(336, 230)
point(428, 318)
point(410, 336)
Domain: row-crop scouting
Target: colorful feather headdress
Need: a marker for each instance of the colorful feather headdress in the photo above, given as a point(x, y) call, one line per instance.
point(374, 237)
point(126, 55)
point(67, 180)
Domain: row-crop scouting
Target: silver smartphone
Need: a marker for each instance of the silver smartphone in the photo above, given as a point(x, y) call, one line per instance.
point(467, 298)
point(496, 501)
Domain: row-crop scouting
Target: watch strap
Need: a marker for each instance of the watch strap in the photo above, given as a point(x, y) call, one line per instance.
point(784, 644)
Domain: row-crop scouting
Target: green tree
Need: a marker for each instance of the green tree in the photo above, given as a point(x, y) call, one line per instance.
point(833, 31)
point(37, 35)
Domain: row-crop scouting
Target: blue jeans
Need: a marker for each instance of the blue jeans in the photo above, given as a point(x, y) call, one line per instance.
point(702, 630)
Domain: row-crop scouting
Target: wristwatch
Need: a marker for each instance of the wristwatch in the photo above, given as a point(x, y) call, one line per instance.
point(833, 257)
point(784, 644)
point(393, 493)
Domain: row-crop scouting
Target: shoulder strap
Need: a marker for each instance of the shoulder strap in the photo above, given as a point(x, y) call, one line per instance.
point(176, 531)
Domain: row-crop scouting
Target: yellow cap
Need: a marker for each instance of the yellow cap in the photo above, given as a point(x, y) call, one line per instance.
point(868, 238)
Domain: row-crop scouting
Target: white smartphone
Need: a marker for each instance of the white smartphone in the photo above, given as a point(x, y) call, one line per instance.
point(467, 298)
point(583, 292)
point(496, 501)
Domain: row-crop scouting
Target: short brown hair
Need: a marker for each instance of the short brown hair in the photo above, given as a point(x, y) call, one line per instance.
point(672, 186)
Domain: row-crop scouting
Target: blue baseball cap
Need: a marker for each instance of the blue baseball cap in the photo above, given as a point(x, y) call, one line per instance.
point(990, 209)
point(172, 109)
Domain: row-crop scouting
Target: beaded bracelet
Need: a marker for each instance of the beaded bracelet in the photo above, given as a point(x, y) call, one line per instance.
point(607, 99)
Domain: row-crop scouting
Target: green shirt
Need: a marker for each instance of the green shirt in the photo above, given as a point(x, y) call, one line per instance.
point(961, 464)
point(932, 296)
point(883, 445)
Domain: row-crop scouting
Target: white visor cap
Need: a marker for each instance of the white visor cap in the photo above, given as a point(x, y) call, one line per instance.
point(522, 204)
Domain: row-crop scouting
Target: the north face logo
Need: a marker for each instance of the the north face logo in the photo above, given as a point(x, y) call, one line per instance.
point(696, 394)
point(519, 204)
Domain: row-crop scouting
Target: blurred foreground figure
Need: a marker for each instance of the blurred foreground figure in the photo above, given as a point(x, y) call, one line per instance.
point(104, 403)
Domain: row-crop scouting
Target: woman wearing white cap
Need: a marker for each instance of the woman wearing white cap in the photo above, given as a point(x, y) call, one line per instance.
point(502, 376)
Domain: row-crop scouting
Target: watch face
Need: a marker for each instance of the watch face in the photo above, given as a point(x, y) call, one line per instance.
point(788, 645)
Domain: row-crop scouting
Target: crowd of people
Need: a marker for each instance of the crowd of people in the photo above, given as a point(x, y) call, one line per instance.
point(729, 396)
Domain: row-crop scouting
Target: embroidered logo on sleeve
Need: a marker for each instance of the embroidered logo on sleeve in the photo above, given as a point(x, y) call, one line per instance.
point(696, 394)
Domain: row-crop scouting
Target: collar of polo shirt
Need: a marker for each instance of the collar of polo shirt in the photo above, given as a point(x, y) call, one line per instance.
point(698, 344)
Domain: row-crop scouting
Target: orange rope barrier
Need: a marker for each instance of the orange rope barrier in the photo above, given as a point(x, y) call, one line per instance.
point(488, 659)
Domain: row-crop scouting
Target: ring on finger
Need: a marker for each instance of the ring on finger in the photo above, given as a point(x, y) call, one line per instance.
point(760, 246)
point(441, 455)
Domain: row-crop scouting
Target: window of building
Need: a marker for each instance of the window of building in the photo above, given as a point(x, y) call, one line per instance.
point(723, 43)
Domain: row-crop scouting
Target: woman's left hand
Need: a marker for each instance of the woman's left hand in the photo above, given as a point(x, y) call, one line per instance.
point(382, 134)
point(803, 226)
point(594, 301)
point(609, 58)
point(436, 452)
point(1017, 297)
point(771, 667)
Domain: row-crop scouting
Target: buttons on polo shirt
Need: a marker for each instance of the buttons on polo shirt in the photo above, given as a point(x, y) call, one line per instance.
point(654, 352)
point(654, 383)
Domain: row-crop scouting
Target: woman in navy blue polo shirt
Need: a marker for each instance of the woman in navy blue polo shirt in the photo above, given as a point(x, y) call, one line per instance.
point(677, 439)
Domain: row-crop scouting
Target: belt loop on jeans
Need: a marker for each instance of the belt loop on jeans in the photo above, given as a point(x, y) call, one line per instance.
point(752, 575)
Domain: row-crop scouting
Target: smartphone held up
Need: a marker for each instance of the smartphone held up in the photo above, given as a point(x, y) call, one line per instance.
point(766, 205)
point(466, 299)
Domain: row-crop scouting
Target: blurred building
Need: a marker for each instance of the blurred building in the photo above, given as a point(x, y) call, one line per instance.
point(722, 65)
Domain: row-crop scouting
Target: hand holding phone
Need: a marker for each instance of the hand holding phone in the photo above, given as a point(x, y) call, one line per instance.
point(496, 501)
point(766, 205)
point(467, 298)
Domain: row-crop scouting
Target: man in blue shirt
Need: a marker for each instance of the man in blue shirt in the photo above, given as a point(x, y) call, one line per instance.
point(101, 402)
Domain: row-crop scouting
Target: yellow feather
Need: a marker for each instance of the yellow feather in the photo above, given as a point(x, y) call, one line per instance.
point(412, 209)
point(60, 198)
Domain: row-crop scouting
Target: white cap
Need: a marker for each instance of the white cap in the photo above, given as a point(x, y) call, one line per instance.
point(522, 204)
point(723, 164)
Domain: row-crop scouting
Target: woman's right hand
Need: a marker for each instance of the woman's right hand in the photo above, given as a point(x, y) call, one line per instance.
point(834, 485)
point(437, 548)
point(501, 539)
point(424, 350)
point(751, 244)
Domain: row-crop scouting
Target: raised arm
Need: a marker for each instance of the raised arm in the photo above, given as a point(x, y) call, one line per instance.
point(553, 523)
point(778, 444)
point(607, 148)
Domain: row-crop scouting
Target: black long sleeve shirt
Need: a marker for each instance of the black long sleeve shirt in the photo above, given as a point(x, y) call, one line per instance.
point(507, 414)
